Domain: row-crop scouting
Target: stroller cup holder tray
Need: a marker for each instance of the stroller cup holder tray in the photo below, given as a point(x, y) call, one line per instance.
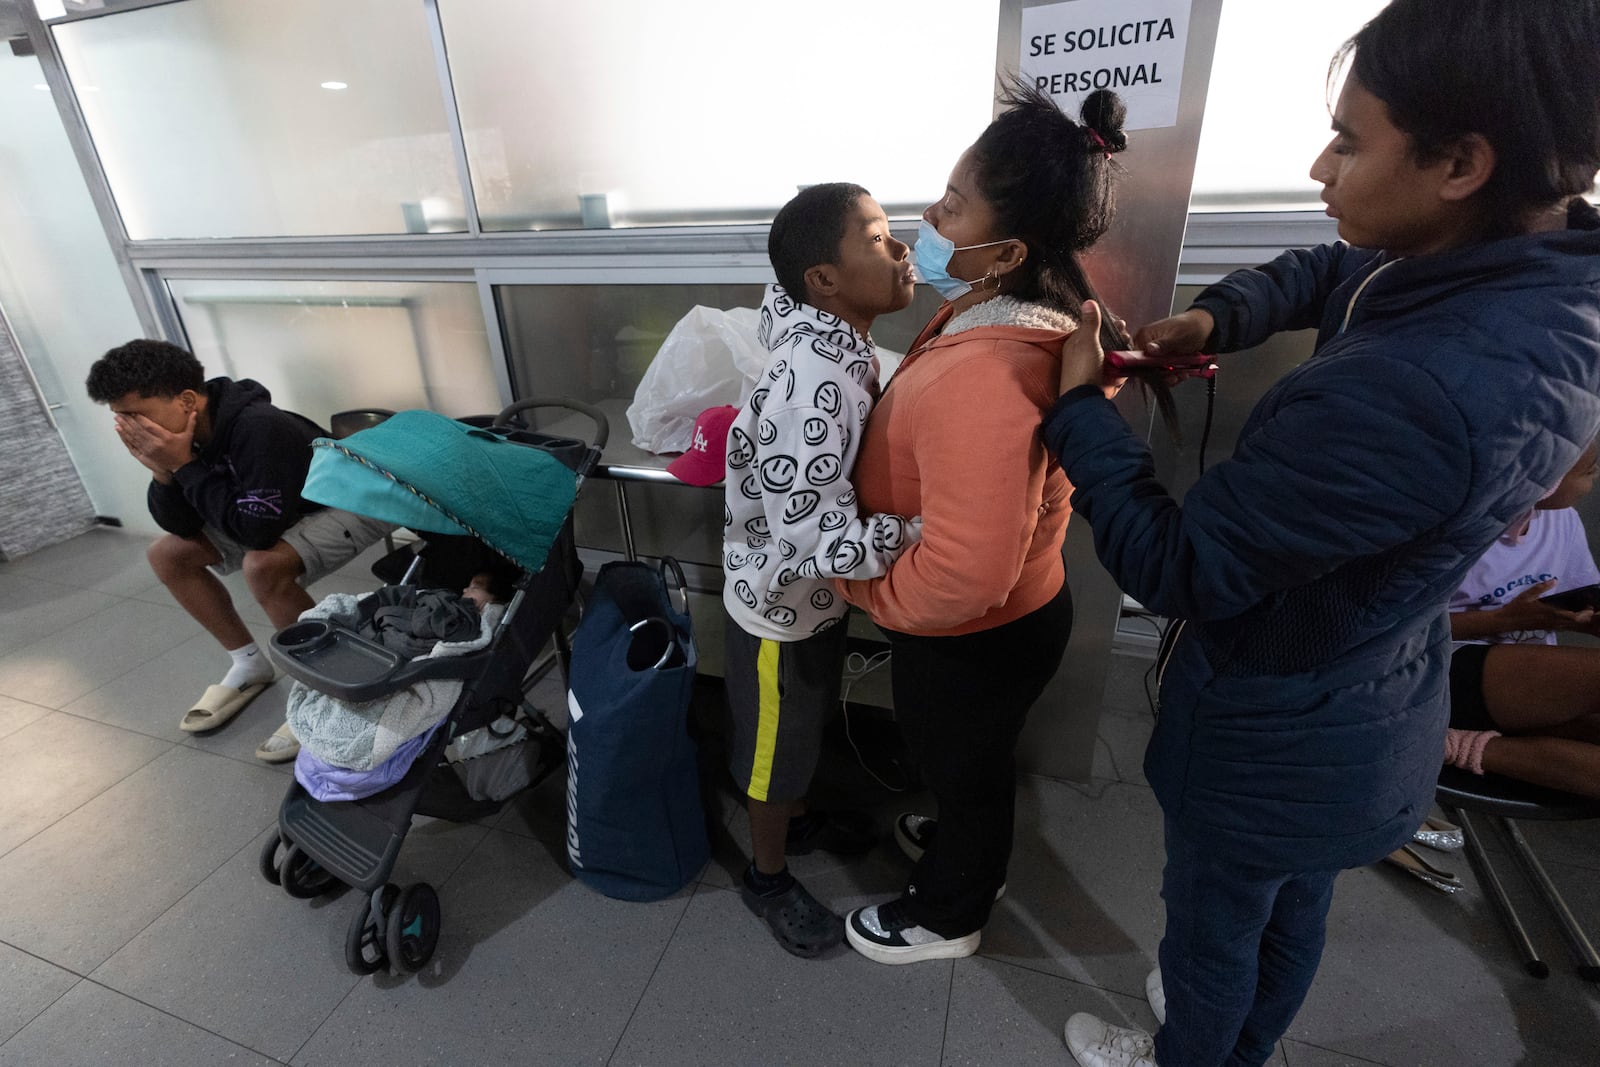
point(330, 651)
point(335, 660)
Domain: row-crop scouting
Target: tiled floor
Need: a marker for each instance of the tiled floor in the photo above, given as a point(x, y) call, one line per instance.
point(134, 928)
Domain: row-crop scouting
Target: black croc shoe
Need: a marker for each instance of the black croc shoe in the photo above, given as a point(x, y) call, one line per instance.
point(797, 919)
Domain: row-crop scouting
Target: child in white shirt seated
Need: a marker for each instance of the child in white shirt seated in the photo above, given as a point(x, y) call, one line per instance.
point(1520, 704)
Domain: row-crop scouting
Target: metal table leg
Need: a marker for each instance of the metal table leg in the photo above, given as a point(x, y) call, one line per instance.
point(627, 521)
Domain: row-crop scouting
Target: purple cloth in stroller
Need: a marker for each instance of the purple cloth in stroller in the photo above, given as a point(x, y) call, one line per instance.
point(326, 782)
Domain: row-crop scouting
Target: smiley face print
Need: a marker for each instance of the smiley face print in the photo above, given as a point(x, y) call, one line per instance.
point(782, 615)
point(888, 533)
point(828, 398)
point(778, 473)
point(831, 353)
point(741, 450)
point(824, 469)
point(846, 556)
point(800, 505)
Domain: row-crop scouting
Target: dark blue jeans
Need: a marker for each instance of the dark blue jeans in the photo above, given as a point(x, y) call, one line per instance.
point(1241, 948)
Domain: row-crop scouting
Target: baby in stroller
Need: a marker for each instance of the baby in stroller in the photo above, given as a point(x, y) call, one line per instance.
point(378, 717)
point(352, 749)
point(411, 621)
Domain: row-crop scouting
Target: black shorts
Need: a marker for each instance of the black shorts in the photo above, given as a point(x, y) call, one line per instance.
point(781, 694)
point(1467, 708)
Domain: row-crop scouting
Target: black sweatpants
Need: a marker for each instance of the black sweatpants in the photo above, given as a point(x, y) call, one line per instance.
point(961, 702)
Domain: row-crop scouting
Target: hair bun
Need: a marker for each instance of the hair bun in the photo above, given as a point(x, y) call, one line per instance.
point(1103, 112)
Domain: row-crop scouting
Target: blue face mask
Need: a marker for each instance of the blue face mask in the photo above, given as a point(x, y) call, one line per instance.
point(931, 257)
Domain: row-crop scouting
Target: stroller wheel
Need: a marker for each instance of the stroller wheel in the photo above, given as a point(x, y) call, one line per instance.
point(302, 877)
point(270, 870)
point(413, 928)
point(363, 942)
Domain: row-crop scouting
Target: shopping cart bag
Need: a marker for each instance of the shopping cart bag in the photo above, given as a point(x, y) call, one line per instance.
point(636, 828)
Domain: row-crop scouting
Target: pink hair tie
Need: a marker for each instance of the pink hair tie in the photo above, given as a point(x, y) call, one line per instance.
point(1099, 141)
point(1464, 748)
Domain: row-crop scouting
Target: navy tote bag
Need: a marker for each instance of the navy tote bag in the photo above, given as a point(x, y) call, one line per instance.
point(636, 828)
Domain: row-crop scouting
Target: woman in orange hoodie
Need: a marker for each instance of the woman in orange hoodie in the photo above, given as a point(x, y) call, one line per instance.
point(978, 612)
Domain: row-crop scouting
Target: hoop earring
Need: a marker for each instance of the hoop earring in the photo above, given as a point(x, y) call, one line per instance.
point(990, 276)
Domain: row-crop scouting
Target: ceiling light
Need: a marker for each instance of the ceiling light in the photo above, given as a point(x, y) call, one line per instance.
point(335, 85)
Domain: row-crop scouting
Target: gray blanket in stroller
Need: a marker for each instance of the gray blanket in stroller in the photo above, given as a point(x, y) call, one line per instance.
point(361, 736)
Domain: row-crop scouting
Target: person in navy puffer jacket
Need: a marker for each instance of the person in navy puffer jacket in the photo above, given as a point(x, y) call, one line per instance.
point(1456, 378)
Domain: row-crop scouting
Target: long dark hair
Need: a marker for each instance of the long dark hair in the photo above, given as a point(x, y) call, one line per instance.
point(1052, 184)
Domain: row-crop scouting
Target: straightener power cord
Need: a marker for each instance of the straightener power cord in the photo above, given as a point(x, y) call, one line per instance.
point(1152, 372)
point(1205, 367)
point(857, 667)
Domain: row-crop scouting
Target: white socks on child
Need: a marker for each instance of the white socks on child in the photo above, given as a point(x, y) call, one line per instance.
point(249, 667)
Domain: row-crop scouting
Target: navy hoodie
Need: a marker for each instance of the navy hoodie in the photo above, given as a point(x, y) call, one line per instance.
point(246, 480)
point(1304, 707)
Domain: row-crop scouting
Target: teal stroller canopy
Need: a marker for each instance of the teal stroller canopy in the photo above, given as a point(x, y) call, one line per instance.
point(430, 473)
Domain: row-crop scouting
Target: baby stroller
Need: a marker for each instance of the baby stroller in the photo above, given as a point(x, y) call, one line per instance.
point(477, 490)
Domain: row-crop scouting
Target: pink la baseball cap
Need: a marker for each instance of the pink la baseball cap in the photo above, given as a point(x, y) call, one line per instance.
point(706, 460)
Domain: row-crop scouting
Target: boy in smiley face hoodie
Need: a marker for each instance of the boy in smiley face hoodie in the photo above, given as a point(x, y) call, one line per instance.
point(791, 527)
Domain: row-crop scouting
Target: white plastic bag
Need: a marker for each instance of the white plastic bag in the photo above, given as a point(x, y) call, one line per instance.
point(710, 358)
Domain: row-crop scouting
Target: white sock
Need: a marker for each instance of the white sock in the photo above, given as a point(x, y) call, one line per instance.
point(249, 667)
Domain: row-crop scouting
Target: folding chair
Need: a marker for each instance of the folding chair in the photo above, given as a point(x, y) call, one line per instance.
point(1508, 800)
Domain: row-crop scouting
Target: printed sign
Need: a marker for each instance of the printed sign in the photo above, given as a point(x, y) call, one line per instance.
point(1132, 47)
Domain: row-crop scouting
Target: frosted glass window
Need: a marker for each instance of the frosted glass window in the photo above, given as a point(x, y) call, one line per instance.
point(594, 342)
point(711, 110)
point(247, 118)
point(1267, 107)
point(325, 346)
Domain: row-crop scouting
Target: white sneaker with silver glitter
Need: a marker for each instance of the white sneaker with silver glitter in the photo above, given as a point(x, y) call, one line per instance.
point(884, 932)
point(1094, 1042)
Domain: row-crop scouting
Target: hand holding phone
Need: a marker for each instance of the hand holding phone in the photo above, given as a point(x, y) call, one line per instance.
point(1583, 598)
